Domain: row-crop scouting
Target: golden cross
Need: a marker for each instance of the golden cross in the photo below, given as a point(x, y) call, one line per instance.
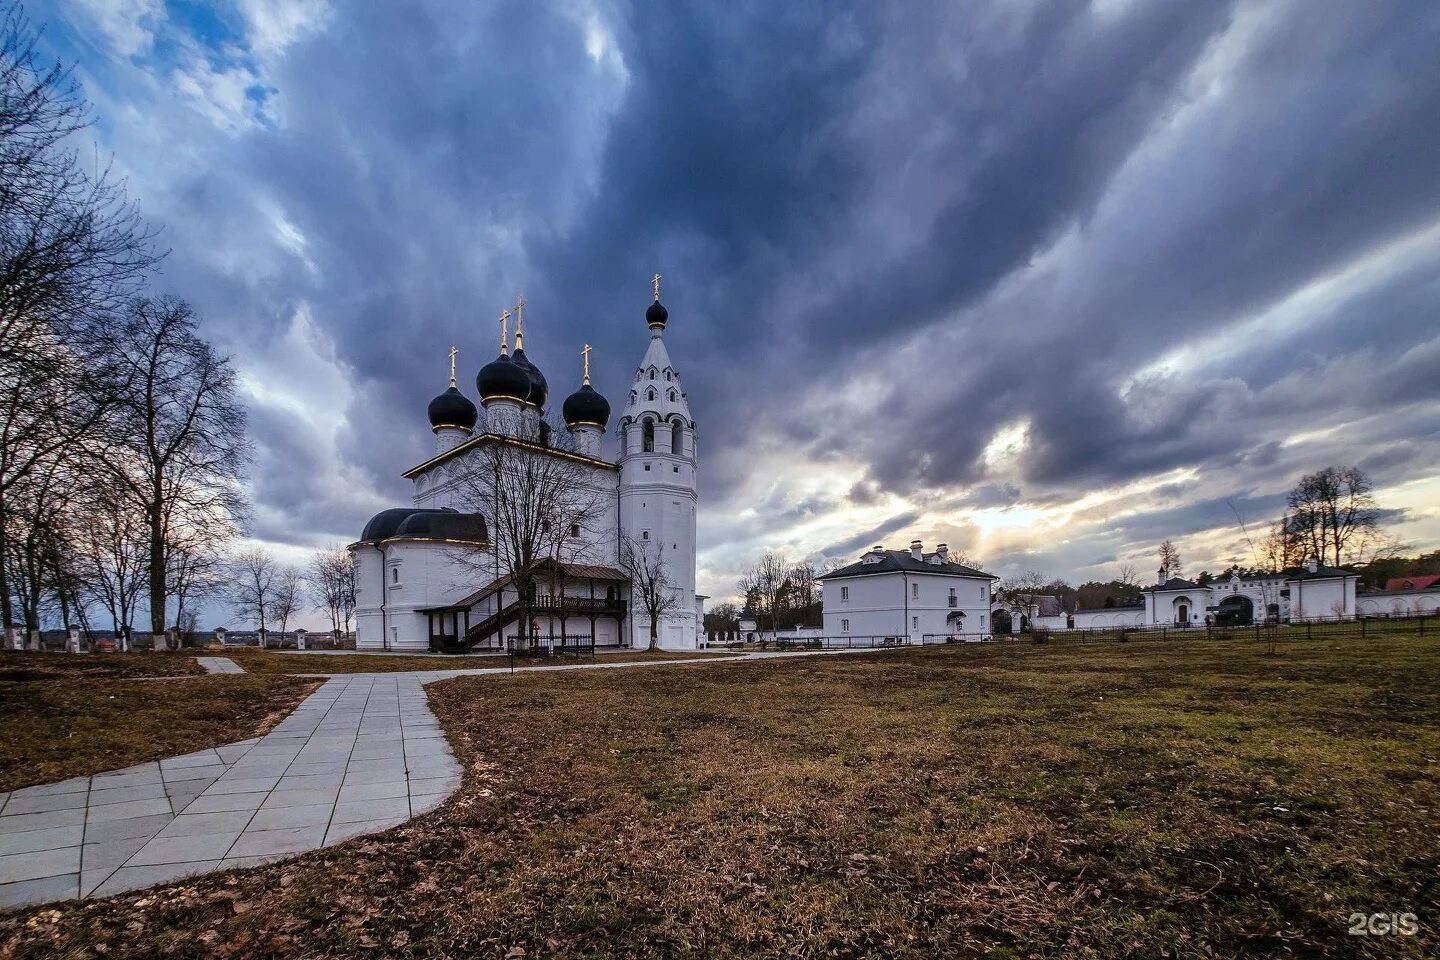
point(453, 351)
point(520, 322)
point(655, 286)
point(505, 333)
point(586, 355)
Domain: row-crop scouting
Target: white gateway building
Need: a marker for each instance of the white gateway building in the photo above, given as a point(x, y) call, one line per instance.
point(520, 535)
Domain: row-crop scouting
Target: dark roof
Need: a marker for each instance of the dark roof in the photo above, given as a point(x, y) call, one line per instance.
point(444, 525)
point(656, 315)
point(441, 524)
point(1321, 573)
point(900, 561)
point(1175, 583)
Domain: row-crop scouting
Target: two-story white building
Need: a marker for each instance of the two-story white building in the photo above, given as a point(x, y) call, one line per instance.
point(906, 594)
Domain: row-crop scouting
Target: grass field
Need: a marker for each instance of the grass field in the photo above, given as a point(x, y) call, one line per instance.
point(20, 666)
point(279, 662)
point(70, 726)
point(1136, 799)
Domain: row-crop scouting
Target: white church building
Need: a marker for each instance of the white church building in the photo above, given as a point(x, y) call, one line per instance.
point(433, 575)
point(906, 595)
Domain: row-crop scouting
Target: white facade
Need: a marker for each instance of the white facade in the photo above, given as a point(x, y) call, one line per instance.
point(906, 594)
point(658, 499)
point(412, 561)
point(1105, 618)
point(1399, 603)
point(1307, 593)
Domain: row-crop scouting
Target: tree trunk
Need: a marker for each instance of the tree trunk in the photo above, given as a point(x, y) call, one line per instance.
point(654, 633)
point(7, 609)
point(157, 560)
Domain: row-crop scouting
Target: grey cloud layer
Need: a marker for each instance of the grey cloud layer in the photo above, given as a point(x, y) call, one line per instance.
point(981, 214)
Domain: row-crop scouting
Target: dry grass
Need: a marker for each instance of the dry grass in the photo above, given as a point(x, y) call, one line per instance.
point(279, 662)
point(19, 666)
point(56, 729)
point(1124, 800)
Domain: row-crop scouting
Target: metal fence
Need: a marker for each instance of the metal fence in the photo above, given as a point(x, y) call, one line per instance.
point(1315, 629)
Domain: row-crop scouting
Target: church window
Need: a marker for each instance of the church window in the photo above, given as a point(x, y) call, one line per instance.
point(674, 469)
point(915, 591)
point(649, 436)
point(649, 394)
point(574, 529)
point(644, 534)
point(844, 593)
point(652, 374)
point(667, 374)
point(394, 574)
point(953, 598)
point(914, 623)
point(844, 626)
point(677, 439)
point(647, 468)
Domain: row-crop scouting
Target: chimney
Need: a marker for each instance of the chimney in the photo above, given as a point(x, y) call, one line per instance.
point(917, 552)
point(943, 552)
point(1312, 565)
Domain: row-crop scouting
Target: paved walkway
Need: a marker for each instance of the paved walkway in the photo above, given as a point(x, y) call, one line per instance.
point(360, 755)
point(220, 665)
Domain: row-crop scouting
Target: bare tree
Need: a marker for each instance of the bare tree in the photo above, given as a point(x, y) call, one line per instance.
point(183, 434)
point(1022, 589)
point(1333, 516)
point(253, 573)
point(768, 582)
point(650, 581)
point(332, 585)
point(111, 551)
point(287, 596)
point(72, 248)
point(543, 504)
point(1170, 558)
point(1128, 576)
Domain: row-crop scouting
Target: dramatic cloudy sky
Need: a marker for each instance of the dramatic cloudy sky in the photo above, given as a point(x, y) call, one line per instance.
point(1050, 281)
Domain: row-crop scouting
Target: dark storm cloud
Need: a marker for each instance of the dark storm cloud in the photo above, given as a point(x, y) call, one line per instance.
point(887, 231)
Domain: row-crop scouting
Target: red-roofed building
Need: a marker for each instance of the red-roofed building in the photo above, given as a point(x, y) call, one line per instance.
point(1424, 582)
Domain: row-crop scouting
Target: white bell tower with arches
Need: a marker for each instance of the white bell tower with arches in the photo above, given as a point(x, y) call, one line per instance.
point(658, 498)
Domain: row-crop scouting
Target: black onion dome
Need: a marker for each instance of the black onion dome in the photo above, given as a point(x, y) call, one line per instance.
point(657, 315)
point(502, 377)
point(452, 409)
point(539, 389)
point(586, 405)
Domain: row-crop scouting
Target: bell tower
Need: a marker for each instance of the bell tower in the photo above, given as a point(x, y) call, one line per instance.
point(658, 498)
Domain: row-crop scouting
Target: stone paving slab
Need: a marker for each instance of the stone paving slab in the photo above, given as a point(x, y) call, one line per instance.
point(343, 764)
point(220, 665)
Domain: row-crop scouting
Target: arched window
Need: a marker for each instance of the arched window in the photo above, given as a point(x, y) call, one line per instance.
point(650, 394)
point(670, 395)
point(394, 574)
point(667, 374)
point(676, 438)
point(649, 443)
point(652, 373)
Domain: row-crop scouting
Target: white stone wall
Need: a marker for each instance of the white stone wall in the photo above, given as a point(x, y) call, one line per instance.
point(902, 604)
point(1418, 603)
point(1104, 619)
